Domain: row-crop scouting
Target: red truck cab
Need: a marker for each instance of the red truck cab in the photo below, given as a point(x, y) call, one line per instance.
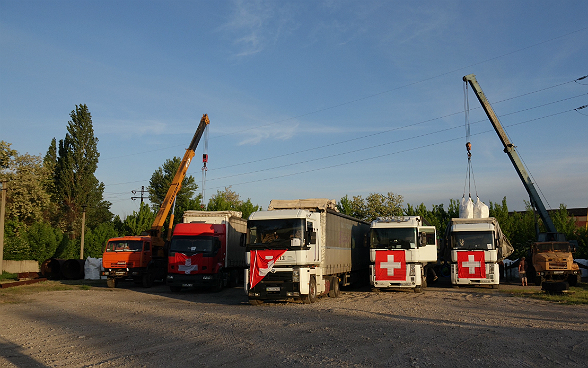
point(196, 256)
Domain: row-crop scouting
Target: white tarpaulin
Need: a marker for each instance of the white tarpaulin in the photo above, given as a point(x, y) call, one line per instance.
point(92, 268)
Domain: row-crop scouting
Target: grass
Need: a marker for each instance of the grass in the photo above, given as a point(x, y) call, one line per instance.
point(6, 276)
point(16, 294)
point(576, 295)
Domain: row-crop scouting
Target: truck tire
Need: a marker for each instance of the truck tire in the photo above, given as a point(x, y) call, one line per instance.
point(148, 279)
point(538, 280)
point(418, 289)
point(573, 280)
point(311, 297)
point(335, 290)
point(111, 282)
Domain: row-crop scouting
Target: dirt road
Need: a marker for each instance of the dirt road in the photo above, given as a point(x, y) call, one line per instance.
point(135, 327)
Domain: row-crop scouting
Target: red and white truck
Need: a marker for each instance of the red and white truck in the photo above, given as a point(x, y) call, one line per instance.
point(205, 250)
point(474, 246)
point(401, 250)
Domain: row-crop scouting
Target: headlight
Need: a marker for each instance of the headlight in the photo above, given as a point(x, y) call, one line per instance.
point(412, 273)
point(296, 275)
point(170, 277)
point(207, 277)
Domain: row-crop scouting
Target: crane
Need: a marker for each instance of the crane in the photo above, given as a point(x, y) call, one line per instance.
point(551, 255)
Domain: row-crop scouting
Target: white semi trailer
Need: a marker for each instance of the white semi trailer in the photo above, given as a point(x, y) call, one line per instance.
point(401, 249)
point(301, 249)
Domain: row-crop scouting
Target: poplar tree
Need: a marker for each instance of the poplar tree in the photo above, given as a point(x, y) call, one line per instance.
point(75, 186)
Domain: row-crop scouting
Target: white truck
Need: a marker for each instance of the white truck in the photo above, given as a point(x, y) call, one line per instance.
point(301, 249)
point(205, 250)
point(474, 246)
point(401, 249)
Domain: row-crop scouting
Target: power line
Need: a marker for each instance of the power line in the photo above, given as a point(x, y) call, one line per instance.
point(386, 154)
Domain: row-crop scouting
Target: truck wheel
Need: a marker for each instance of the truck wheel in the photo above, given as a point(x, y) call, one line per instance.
point(418, 289)
point(148, 279)
point(573, 280)
point(111, 282)
point(311, 297)
point(538, 280)
point(255, 301)
point(335, 291)
point(175, 289)
point(219, 283)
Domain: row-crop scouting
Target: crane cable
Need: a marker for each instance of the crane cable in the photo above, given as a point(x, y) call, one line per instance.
point(470, 168)
point(204, 168)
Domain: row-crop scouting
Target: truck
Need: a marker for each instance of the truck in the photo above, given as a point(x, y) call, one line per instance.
point(206, 251)
point(145, 259)
point(474, 247)
point(551, 255)
point(402, 248)
point(302, 249)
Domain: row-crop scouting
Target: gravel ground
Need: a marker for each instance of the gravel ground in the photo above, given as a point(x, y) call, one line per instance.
point(135, 327)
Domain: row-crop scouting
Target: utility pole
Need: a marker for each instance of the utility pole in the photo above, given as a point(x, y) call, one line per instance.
point(2, 213)
point(141, 191)
point(83, 231)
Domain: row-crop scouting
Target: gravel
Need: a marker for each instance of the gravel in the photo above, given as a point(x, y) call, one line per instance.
point(442, 327)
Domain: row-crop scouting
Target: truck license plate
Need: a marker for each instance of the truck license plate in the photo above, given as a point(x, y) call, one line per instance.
point(558, 272)
point(187, 285)
point(272, 288)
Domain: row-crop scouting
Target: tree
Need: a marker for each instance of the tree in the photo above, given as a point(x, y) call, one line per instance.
point(228, 200)
point(75, 185)
point(28, 200)
point(43, 241)
point(159, 185)
point(139, 222)
point(375, 205)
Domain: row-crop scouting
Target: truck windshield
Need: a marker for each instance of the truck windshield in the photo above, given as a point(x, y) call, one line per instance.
point(124, 246)
point(550, 247)
point(191, 245)
point(393, 238)
point(472, 240)
point(278, 234)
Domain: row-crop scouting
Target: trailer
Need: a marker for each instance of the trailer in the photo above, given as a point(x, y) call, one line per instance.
point(302, 249)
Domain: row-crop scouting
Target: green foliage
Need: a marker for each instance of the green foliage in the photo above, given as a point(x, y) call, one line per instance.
point(160, 182)
point(138, 222)
point(68, 248)
point(95, 239)
point(228, 200)
point(16, 246)
point(375, 205)
point(75, 186)
point(43, 241)
point(27, 198)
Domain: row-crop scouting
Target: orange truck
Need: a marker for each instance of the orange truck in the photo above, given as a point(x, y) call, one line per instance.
point(145, 257)
point(129, 257)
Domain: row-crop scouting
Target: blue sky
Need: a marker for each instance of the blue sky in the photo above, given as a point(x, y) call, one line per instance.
point(307, 99)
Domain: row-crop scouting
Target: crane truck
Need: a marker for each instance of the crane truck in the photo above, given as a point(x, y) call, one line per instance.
point(401, 249)
point(206, 250)
point(551, 255)
point(301, 249)
point(144, 258)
